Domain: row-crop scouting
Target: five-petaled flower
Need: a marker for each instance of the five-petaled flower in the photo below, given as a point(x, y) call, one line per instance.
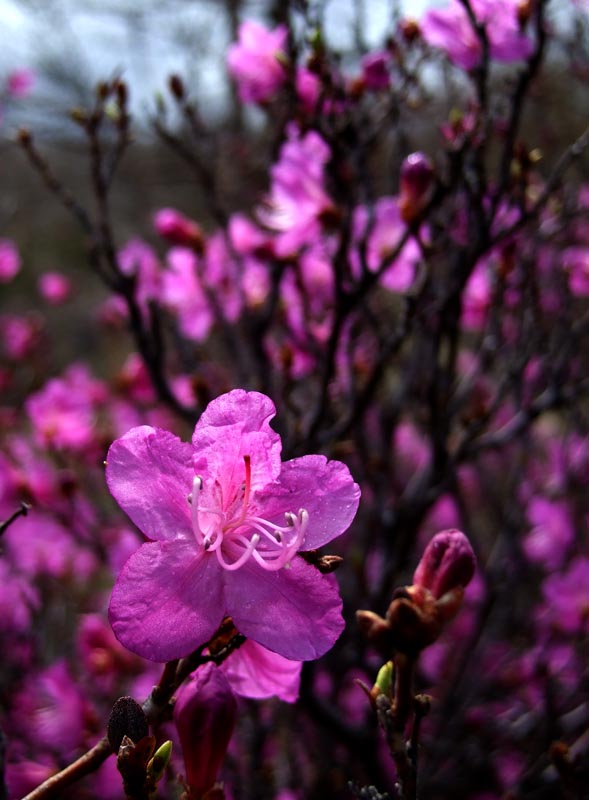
point(227, 519)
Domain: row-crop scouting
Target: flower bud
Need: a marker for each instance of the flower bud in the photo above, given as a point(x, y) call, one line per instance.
point(414, 619)
point(375, 70)
point(417, 174)
point(158, 763)
point(410, 30)
point(448, 563)
point(178, 229)
point(205, 714)
point(127, 719)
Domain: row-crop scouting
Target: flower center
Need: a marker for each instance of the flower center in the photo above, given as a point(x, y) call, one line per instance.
point(236, 534)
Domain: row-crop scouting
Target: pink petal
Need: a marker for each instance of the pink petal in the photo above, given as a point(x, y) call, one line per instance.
point(295, 612)
point(149, 473)
point(324, 488)
point(254, 671)
point(167, 601)
point(232, 426)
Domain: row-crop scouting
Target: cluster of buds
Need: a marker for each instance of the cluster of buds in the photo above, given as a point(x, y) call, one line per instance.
point(418, 613)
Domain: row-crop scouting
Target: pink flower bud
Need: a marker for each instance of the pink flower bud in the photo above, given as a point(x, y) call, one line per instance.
point(447, 563)
point(205, 714)
point(178, 229)
point(375, 70)
point(417, 174)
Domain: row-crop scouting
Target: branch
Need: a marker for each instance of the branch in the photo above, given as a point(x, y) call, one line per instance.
point(20, 512)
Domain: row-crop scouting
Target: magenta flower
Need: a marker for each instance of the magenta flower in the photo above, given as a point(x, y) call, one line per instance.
point(297, 202)
point(19, 82)
point(256, 61)
point(449, 29)
point(566, 598)
point(54, 287)
point(227, 520)
point(63, 413)
point(9, 261)
point(384, 235)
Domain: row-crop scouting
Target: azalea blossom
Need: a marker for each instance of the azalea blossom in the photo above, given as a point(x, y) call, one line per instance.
point(256, 61)
point(450, 29)
point(227, 519)
point(297, 201)
point(9, 260)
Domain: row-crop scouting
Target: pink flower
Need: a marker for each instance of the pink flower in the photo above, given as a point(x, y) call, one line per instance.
point(139, 261)
point(183, 293)
point(51, 711)
point(567, 597)
point(576, 262)
point(20, 82)
point(384, 236)
point(199, 289)
point(477, 297)
point(18, 600)
point(551, 532)
point(54, 287)
point(450, 29)
point(297, 198)
point(20, 335)
point(227, 520)
point(9, 261)
point(256, 61)
point(308, 86)
point(64, 411)
point(39, 545)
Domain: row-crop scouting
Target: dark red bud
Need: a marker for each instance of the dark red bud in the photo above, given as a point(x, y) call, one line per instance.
point(417, 180)
point(447, 563)
point(205, 714)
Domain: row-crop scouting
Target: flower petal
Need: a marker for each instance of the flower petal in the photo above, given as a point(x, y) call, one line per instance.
point(149, 473)
point(234, 425)
point(255, 671)
point(324, 488)
point(167, 601)
point(295, 612)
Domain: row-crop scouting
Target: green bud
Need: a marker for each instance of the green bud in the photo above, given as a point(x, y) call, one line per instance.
point(159, 762)
point(384, 679)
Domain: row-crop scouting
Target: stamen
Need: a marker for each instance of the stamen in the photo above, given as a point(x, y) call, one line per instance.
point(232, 532)
point(196, 489)
point(251, 548)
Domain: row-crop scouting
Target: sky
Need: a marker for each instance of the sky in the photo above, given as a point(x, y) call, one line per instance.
point(83, 39)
